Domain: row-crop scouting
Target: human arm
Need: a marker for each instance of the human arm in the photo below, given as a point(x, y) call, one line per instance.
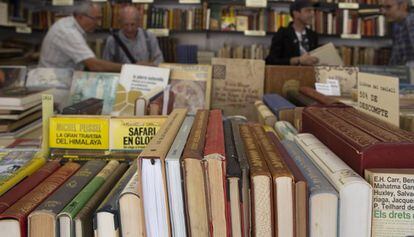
point(99, 65)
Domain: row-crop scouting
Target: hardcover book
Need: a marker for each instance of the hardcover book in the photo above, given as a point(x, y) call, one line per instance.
point(91, 106)
point(191, 85)
point(43, 220)
point(237, 84)
point(14, 218)
point(94, 85)
point(264, 115)
point(282, 108)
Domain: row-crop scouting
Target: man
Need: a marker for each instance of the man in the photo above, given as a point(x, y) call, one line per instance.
point(290, 45)
point(65, 44)
point(397, 11)
point(142, 45)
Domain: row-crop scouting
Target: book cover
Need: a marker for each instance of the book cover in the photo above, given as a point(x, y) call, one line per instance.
point(237, 84)
point(12, 76)
point(281, 79)
point(60, 78)
point(19, 211)
point(264, 115)
point(136, 80)
point(327, 55)
point(191, 85)
point(84, 219)
point(25, 186)
point(94, 85)
point(281, 108)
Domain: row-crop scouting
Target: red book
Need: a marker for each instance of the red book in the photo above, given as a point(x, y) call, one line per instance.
point(18, 191)
point(321, 98)
point(14, 219)
point(215, 170)
point(360, 141)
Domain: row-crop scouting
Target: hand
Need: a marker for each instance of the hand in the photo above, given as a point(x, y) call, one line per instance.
point(146, 63)
point(307, 59)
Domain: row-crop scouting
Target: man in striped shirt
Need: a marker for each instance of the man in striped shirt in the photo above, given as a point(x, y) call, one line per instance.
point(64, 46)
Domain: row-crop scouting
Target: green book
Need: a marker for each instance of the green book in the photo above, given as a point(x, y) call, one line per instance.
point(84, 219)
point(66, 216)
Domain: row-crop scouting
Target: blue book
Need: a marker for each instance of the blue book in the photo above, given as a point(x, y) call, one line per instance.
point(323, 198)
point(280, 106)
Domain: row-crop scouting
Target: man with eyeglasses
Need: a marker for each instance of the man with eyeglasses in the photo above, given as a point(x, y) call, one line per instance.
point(65, 46)
point(290, 45)
point(397, 11)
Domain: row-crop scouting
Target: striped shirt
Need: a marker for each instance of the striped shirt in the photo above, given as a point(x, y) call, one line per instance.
point(403, 41)
point(64, 45)
point(144, 48)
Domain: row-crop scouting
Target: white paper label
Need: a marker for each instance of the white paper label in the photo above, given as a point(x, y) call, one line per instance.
point(348, 5)
point(189, 1)
point(23, 29)
point(351, 36)
point(62, 2)
point(325, 88)
point(335, 86)
point(142, 1)
point(159, 32)
point(255, 32)
point(256, 3)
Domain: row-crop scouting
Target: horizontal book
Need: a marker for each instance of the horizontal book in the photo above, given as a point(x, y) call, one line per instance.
point(21, 96)
point(91, 106)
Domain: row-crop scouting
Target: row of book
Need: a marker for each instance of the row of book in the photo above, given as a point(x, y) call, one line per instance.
point(354, 56)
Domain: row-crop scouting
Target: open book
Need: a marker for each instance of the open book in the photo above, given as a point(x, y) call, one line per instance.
point(327, 55)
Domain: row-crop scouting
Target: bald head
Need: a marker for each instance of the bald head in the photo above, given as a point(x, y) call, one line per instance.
point(129, 17)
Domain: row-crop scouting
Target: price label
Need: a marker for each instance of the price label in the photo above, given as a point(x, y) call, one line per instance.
point(23, 29)
point(351, 36)
point(189, 1)
point(142, 1)
point(62, 2)
point(348, 5)
point(256, 3)
point(160, 32)
point(255, 32)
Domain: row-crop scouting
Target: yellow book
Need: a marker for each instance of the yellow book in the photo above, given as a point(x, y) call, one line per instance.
point(17, 165)
point(134, 133)
point(79, 132)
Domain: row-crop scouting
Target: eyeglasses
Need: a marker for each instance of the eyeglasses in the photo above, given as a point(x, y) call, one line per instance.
point(94, 18)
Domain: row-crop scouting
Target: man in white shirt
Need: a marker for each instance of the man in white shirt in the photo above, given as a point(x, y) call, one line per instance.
point(64, 46)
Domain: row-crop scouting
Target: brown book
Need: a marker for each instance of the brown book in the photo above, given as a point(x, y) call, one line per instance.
point(84, 219)
point(281, 79)
point(155, 105)
point(194, 181)
point(301, 190)
point(14, 218)
point(11, 125)
point(320, 98)
point(25, 186)
point(151, 163)
point(299, 99)
point(360, 144)
point(262, 214)
point(264, 115)
point(43, 220)
point(283, 184)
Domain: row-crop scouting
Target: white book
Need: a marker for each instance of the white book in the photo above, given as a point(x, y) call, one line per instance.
point(174, 179)
point(355, 194)
point(327, 55)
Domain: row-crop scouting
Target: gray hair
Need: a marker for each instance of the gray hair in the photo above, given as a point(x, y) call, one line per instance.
point(83, 7)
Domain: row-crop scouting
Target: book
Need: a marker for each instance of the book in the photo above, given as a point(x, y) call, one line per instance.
point(152, 172)
point(43, 220)
point(191, 85)
point(195, 193)
point(174, 179)
point(392, 202)
point(142, 103)
point(66, 216)
point(12, 76)
point(12, 125)
point(234, 180)
point(16, 114)
point(282, 184)
point(94, 85)
point(131, 218)
point(26, 185)
point(281, 79)
point(17, 165)
point(106, 217)
point(215, 173)
point(84, 219)
point(299, 99)
point(360, 140)
point(264, 115)
point(327, 55)
point(135, 81)
point(320, 98)
point(301, 189)
point(14, 218)
point(91, 106)
point(280, 107)
point(285, 130)
point(59, 78)
point(346, 77)
point(21, 97)
point(245, 179)
point(355, 194)
point(262, 212)
point(323, 198)
point(237, 84)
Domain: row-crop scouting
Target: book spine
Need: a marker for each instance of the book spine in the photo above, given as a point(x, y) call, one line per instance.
point(81, 198)
point(195, 145)
point(214, 143)
point(33, 165)
point(26, 204)
point(17, 192)
point(265, 116)
point(313, 94)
